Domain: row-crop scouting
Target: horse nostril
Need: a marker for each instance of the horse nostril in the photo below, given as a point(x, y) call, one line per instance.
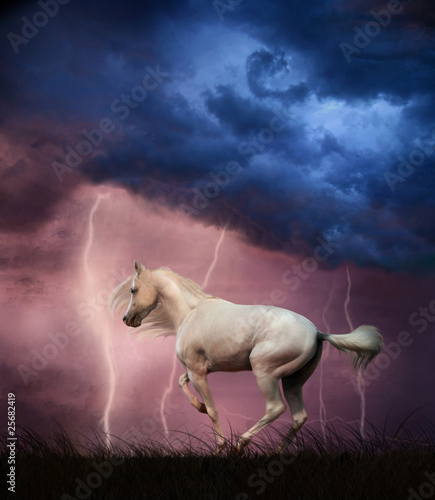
point(124, 319)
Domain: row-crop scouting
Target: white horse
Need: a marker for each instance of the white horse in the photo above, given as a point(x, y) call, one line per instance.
point(213, 335)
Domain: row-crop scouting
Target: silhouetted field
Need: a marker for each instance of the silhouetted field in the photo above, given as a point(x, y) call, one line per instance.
point(341, 465)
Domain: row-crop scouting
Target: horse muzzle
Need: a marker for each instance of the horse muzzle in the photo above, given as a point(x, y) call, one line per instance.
point(134, 321)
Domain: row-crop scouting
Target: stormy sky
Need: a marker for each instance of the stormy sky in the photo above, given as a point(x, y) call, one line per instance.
point(287, 122)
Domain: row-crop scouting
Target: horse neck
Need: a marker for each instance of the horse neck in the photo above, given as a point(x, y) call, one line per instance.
point(177, 300)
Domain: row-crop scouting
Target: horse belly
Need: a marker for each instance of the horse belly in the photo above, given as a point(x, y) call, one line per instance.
point(210, 338)
point(228, 356)
point(228, 353)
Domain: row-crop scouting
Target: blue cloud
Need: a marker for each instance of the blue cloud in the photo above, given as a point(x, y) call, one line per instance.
point(299, 142)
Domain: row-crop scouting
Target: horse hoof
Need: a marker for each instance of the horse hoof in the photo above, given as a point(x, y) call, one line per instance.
point(236, 451)
point(202, 408)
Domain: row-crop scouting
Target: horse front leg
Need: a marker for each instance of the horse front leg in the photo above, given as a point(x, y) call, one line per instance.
point(182, 382)
point(199, 381)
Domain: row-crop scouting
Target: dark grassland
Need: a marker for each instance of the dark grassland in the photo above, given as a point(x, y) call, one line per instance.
point(342, 466)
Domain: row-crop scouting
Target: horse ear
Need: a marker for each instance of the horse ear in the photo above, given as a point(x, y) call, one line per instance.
point(137, 268)
point(143, 268)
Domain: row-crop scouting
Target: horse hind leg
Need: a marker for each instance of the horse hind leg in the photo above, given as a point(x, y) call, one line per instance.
point(268, 383)
point(293, 395)
point(182, 382)
point(292, 388)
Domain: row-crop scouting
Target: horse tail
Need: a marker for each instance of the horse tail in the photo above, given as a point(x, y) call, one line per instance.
point(366, 342)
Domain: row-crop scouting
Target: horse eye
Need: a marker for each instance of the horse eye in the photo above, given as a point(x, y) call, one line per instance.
point(132, 291)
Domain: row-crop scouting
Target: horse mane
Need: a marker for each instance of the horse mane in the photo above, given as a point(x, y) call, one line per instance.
point(187, 284)
point(157, 323)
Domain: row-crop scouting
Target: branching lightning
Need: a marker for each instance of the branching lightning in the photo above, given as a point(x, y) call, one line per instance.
point(102, 328)
point(230, 414)
point(168, 390)
point(359, 379)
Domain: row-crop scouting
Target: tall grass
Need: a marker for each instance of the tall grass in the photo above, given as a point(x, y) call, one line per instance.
point(337, 465)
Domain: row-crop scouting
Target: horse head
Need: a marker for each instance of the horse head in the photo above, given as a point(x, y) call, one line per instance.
point(144, 297)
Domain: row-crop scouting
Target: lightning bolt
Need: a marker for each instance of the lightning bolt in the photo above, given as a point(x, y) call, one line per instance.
point(166, 393)
point(90, 240)
point(359, 377)
point(215, 258)
point(347, 300)
point(322, 408)
point(103, 329)
point(168, 390)
point(236, 414)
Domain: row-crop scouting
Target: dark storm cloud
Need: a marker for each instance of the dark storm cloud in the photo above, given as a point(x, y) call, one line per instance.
point(398, 61)
point(262, 64)
point(300, 178)
point(241, 115)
